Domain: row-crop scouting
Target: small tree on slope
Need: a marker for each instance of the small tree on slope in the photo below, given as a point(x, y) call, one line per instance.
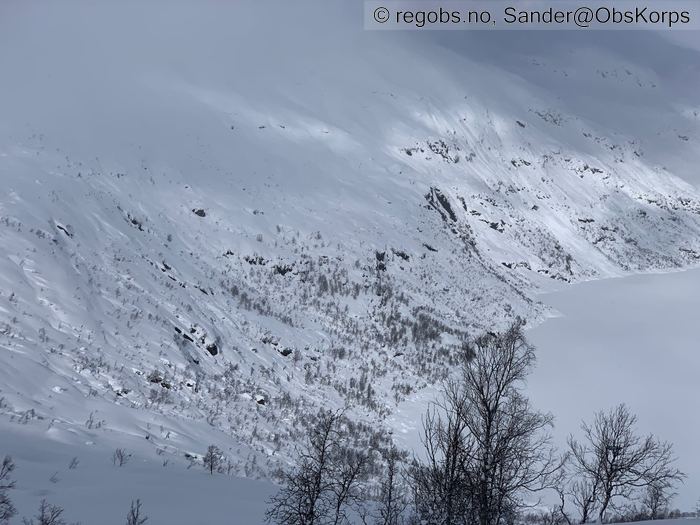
point(48, 515)
point(213, 459)
point(134, 516)
point(7, 509)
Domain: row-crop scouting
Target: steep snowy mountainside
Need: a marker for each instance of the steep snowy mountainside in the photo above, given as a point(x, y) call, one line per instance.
point(216, 219)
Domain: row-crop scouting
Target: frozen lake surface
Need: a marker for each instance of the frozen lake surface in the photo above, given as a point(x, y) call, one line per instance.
point(633, 340)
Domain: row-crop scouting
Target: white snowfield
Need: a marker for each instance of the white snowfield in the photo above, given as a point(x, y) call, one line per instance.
point(217, 218)
point(96, 492)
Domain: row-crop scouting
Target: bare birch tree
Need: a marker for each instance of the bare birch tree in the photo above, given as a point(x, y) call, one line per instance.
point(213, 459)
point(325, 483)
point(48, 515)
point(657, 499)
point(7, 509)
point(614, 463)
point(135, 517)
point(393, 500)
point(486, 446)
point(442, 482)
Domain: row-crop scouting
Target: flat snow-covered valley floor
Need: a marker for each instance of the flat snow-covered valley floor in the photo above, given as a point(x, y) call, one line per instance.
point(96, 492)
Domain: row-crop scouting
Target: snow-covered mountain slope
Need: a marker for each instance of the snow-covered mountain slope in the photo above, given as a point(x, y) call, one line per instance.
point(216, 219)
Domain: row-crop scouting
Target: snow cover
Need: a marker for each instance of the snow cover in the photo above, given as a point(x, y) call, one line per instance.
point(631, 340)
point(216, 219)
point(96, 491)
